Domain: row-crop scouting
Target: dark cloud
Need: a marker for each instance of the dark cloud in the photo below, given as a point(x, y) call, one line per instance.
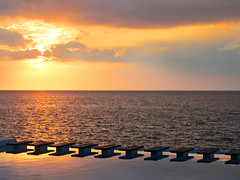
point(78, 51)
point(11, 38)
point(128, 13)
point(19, 55)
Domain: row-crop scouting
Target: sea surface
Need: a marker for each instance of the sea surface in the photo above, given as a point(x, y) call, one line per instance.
point(174, 118)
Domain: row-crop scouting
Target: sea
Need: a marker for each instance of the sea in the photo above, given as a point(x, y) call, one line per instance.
point(198, 119)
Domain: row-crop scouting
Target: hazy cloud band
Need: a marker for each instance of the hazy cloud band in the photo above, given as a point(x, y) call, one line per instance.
point(125, 13)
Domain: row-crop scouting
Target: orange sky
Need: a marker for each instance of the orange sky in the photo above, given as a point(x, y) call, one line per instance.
point(63, 51)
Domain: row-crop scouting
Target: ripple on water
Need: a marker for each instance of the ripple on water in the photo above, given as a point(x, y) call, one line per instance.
point(176, 119)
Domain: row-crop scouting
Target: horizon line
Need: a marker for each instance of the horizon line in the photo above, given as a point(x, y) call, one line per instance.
point(119, 90)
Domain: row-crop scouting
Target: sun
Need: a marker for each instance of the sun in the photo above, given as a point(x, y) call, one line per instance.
point(42, 36)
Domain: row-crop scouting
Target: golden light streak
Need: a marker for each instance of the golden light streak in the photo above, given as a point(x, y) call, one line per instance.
point(130, 37)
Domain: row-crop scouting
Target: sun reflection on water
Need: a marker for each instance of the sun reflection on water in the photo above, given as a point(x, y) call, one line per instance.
point(44, 122)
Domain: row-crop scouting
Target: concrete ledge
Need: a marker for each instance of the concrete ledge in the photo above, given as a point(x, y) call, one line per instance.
point(182, 154)
point(84, 150)
point(156, 153)
point(107, 151)
point(4, 141)
point(131, 152)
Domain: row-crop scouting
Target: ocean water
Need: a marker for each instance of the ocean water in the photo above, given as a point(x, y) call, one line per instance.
point(193, 119)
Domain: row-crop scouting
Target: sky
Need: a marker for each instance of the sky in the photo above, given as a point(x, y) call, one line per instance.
point(119, 45)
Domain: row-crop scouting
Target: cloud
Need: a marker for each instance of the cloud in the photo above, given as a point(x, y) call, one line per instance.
point(125, 13)
point(14, 39)
point(19, 55)
point(192, 58)
point(78, 51)
point(11, 38)
point(235, 44)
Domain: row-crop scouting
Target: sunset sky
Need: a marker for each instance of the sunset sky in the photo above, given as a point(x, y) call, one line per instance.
point(119, 45)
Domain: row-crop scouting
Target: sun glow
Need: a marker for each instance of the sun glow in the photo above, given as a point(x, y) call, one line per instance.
point(42, 36)
point(38, 63)
point(43, 40)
